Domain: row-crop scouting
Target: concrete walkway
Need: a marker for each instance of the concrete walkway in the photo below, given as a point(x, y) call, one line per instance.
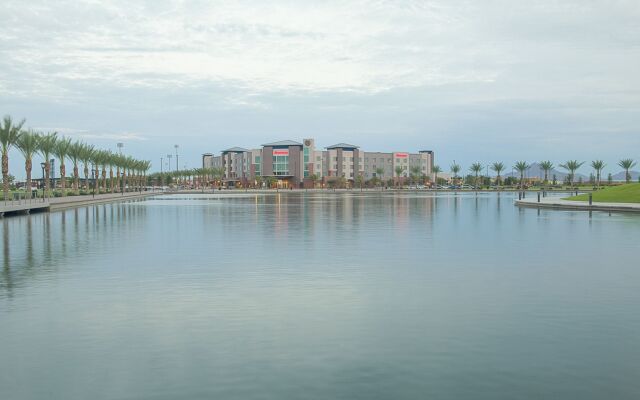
point(560, 204)
point(59, 203)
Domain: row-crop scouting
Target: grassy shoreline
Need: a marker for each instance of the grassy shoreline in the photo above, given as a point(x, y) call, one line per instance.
point(629, 193)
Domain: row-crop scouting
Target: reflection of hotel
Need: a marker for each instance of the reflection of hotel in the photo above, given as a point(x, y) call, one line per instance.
point(293, 163)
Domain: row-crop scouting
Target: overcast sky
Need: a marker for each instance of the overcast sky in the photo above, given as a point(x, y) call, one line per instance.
point(472, 80)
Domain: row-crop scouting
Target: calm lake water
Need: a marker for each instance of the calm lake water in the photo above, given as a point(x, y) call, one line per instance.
point(320, 296)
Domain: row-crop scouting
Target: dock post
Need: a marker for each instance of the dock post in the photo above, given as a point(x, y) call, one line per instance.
point(538, 197)
point(590, 199)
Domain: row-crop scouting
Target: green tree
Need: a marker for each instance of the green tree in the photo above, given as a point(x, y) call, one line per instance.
point(546, 166)
point(46, 147)
point(380, 175)
point(572, 166)
point(9, 134)
point(61, 150)
point(455, 168)
point(626, 164)
point(86, 156)
point(314, 178)
point(598, 166)
point(476, 168)
point(415, 174)
point(359, 181)
point(398, 170)
point(497, 167)
point(75, 151)
point(436, 170)
point(521, 167)
point(28, 145)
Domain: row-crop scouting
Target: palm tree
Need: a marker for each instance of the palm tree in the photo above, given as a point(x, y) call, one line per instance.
point(455, 168)
point(61, 150)
point(546, 166)
point(598, 166)
point(476, 168)
point(28, 145)
point(314, 179)
point(360, 181)
point(9, 135)
point(497, 167)
point(46, 146)
point(627, 164)
point(398, 170)
point(415, 174)
point(75, 151)
point(572, 166)
point(379, 174)
point(521, 167)
point(86, 155)
point(436, 170)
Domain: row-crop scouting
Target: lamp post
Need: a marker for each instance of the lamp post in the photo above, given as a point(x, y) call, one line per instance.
point(169, 156)
point(42, 165)
point(161, 180)
point(93, 176)
point(176, 147)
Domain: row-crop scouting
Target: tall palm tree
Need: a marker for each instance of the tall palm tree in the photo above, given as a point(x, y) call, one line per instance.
point(75, 151)
point(46, 147)
point(314, 179)
point(9, 134)
point(96, 159)
point(546, 166)
point(598, 166)
point(359, 181)
point(87, 156)
point(572, 166)
point(627, 164)
point(436, 170)
point(455, 168)
point(476, 168)
point(497, 167)
point(111, 161)
point(28, 145)
point(61, 150)
point(415, 173)
point(380, 174)
point(521, 167)
point(398, 170)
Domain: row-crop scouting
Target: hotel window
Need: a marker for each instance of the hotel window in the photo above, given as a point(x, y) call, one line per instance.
point(281, 165)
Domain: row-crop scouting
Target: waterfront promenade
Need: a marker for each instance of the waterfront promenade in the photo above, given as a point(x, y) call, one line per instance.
point(57, 203)
point(560, 203)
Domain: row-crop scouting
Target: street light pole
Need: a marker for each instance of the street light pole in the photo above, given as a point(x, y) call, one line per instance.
point(176, 147)
point(42, 165)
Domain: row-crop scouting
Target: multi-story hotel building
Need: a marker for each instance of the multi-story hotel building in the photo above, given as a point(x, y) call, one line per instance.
point(294, 164)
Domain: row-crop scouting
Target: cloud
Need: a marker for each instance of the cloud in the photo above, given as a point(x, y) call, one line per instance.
point(437, 74)
point(87, 135)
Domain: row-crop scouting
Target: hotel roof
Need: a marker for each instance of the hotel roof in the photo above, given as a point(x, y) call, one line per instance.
point(343, 146)
point(235, 150)
point(283, 143)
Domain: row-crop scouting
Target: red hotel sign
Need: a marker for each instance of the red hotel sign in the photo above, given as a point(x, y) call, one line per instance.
point(402, 155)
point(281, 152)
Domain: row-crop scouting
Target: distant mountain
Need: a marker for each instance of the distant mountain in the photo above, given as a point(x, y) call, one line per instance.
point(620, 176)
point(536, 172)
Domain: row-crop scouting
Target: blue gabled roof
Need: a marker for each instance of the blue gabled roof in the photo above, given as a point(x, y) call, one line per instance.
point(283, 143)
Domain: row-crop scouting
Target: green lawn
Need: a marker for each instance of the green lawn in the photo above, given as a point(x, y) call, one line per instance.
point(629, 193)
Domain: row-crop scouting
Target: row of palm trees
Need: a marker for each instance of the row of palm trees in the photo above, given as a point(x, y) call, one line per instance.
point(570, 166)
point(31, 143)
